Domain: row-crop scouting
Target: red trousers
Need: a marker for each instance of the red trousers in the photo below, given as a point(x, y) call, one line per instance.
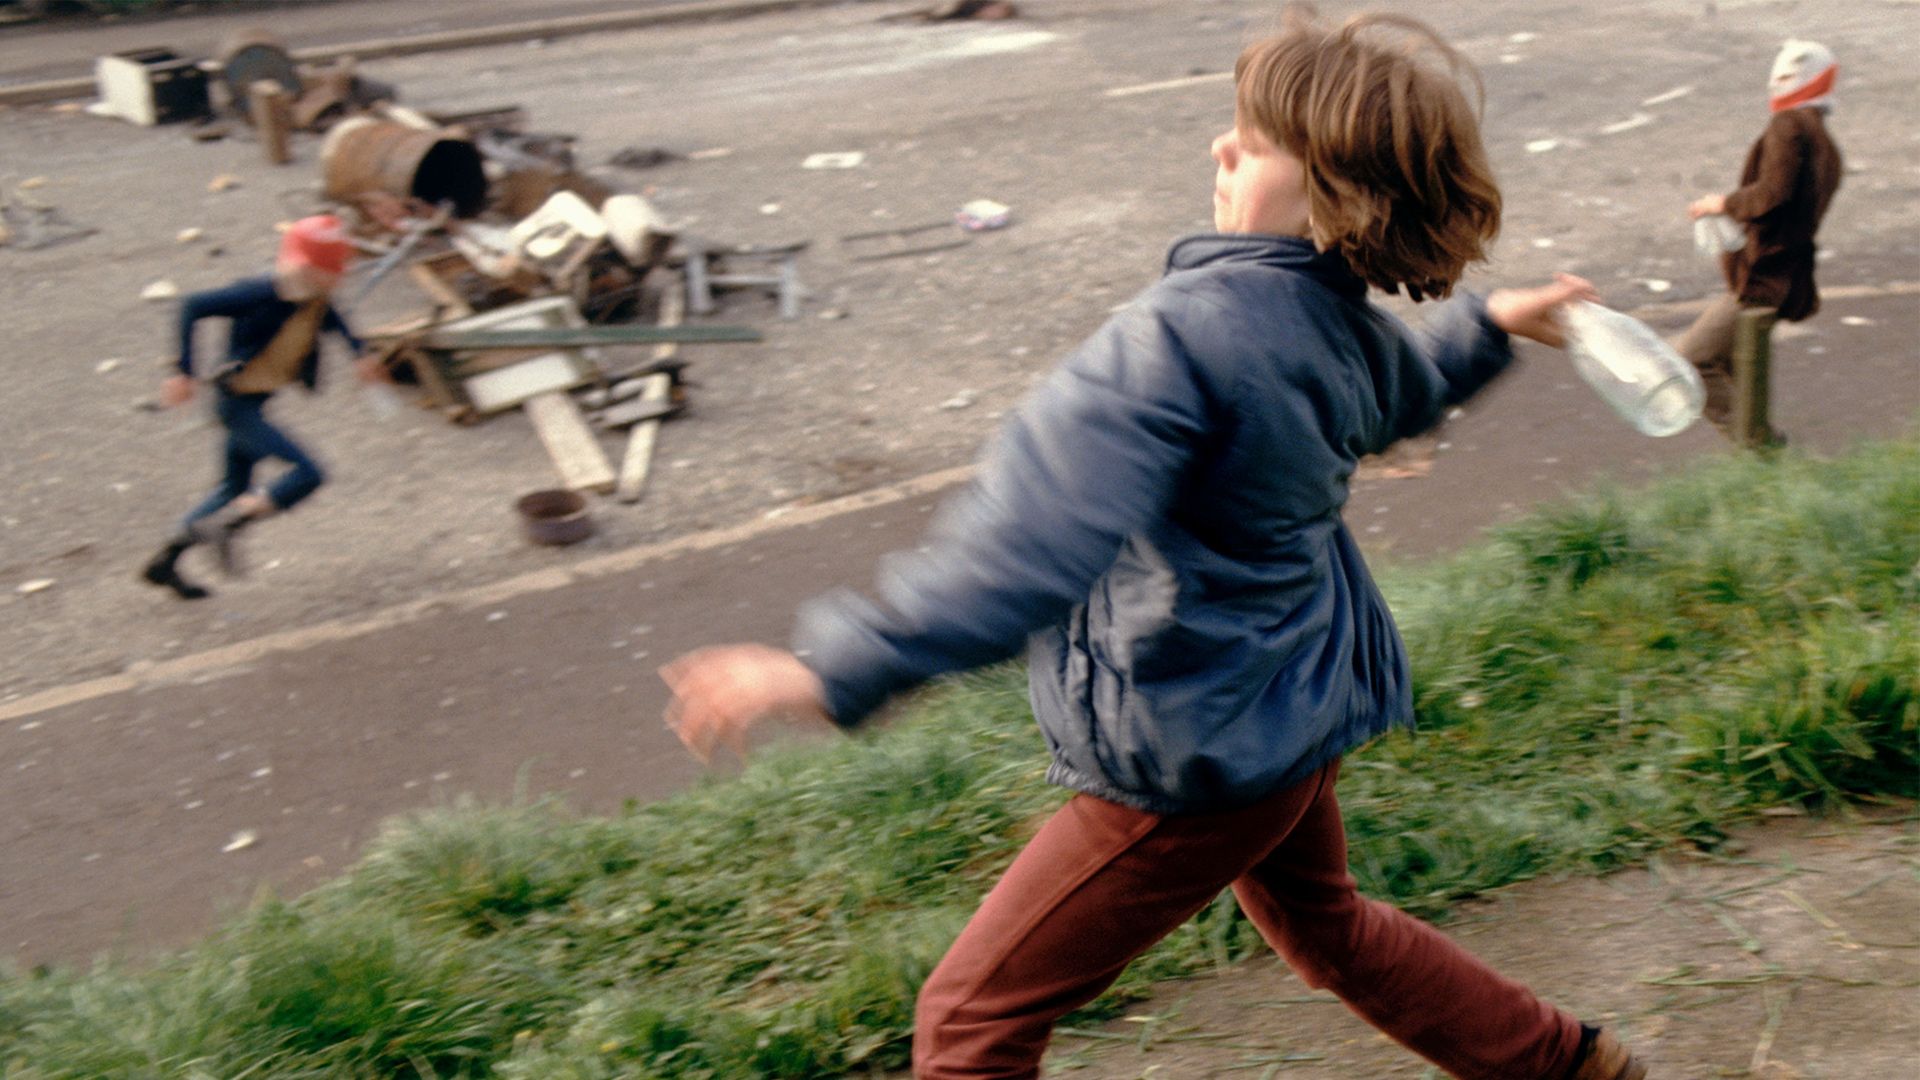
point(1101, 883)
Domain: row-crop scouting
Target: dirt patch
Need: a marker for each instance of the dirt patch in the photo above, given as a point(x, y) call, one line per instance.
point(1799, 957)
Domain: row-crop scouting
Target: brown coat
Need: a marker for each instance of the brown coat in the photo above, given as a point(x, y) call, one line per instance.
point(1789, 178)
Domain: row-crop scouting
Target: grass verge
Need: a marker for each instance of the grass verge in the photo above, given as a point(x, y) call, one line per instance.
point(1619, 673)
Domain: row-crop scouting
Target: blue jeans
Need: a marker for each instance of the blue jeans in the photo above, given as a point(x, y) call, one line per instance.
point(251, 439)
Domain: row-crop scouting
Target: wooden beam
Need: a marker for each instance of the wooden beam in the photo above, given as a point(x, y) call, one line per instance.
point(637, 464)
point(658, 406)
point(435, 286)
point(426, 368)
point(563, 337)
point(575, 451)
point(506, 387)
point(272, 114)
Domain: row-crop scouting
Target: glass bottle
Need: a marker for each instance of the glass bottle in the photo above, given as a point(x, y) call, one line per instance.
point(1652, 387)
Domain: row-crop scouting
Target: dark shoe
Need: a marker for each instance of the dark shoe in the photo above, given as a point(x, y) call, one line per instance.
point(1607, 1060)
point(161, 571)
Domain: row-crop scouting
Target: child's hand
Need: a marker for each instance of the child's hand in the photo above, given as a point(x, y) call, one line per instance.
point(176, 389)
point(372, 370)
point(720, 693)
point(1707, 204)
point(1533, 313)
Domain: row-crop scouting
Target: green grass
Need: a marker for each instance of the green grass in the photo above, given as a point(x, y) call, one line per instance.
point(1617, 674)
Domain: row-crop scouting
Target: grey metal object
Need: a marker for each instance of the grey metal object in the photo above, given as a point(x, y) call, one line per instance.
point(706, 270)
point(392, 259)
point(251, 56)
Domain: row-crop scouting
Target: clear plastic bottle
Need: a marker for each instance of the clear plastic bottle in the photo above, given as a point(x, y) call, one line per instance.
point(1654, 388)
point(1714, 234)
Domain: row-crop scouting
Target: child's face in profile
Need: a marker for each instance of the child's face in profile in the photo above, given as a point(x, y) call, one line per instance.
point(299, 282)
point(1259, 187)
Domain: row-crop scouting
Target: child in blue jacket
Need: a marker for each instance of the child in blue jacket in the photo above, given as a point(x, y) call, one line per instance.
point(274, 327)
point(1160, 527)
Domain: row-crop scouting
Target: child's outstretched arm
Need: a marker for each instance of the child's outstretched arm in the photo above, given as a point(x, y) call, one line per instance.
point(1533, 313)
point(721, 693)
point(1096, 453)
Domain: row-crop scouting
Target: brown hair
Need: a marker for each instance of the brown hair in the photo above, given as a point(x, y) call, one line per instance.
point(1397, 180)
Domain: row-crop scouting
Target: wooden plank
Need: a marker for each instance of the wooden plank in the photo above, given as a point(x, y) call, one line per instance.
point(510, 386)
point(561, 337)
point(540, 313)
point(272, 114)
point(462, 366)
point(498, 118)
point(442, 293)
point(404, 328)
point(637, 464)
point(576, 453)
point(654, 403)
point(426, 368)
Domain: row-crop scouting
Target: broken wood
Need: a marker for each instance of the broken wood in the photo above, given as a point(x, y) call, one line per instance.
point(272, 113)
point(442, 293)
point(622, 390)
point(637, 464)
point(498, 390)
point(426, 370)
point(550, 369)
point(561, 337)
point(463, 366)
point(576, 452)
point(327, 93)
point(628, 384)
point(635, 410)
point(672, 365)
point(497, 118)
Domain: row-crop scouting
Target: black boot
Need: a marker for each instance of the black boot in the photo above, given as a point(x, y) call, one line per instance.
point(162, 571)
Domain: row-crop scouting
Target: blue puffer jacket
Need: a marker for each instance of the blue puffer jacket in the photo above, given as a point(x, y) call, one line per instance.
point(1160, 525)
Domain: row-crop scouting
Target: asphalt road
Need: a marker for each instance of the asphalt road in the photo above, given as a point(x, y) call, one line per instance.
point(125, 793)
point(57, 50)
point(122, 800)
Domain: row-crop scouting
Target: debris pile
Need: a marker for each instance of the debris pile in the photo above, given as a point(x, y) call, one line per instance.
point(528, 307)
point(535, 275)
point(544, 289)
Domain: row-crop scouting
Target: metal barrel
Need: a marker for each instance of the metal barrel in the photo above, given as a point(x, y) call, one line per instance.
point(363, 154)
